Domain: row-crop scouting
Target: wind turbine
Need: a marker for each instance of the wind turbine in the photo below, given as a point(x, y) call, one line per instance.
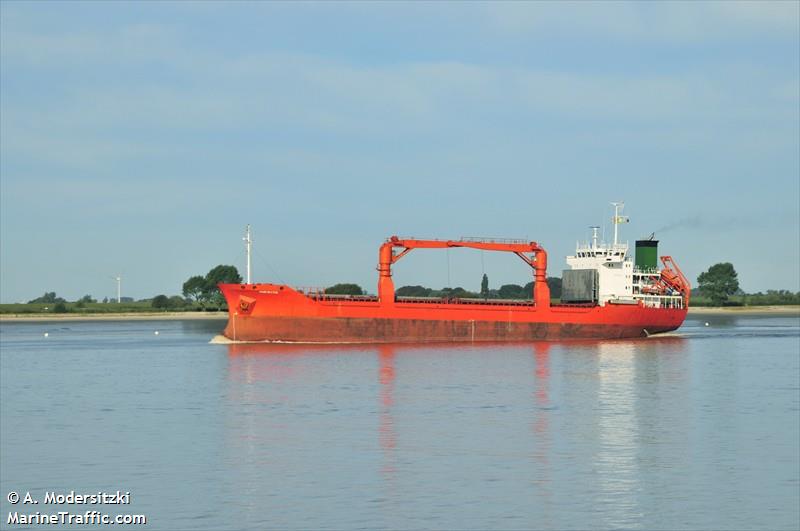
point(118, 278)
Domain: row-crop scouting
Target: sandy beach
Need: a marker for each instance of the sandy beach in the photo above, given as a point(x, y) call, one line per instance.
point(133, 316)
point(746, 310)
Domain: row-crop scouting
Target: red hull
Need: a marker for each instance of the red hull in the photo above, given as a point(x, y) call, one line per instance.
point(270, 312)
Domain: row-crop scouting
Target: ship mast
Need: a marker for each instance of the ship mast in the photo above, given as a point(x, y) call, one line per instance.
point(248, 245)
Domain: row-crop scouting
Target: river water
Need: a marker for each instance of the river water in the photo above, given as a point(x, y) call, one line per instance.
point(698, 430)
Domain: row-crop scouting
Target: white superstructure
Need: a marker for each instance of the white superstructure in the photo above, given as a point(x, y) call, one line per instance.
point(614, 269)
point(616, 279)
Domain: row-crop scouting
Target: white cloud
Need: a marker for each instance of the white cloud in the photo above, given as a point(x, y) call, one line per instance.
point(278, 91)
point(666, 22)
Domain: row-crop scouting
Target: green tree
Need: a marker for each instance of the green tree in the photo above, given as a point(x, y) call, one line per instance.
point(413, 291)
point(344, 289)
point(718, 283)
point(83, 301)
point(527, 289)
point(511, 291)
point(455, 293)
point(160, 302)
point(194, 288)
point(176, 301)
point(60, 307)
point(222, 274)
point(555, 287)
point(554, 283)
point(485, 286)
point(774, 297)
point(48, 297)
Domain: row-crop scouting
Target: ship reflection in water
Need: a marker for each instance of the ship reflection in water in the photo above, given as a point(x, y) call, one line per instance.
point(387, 437)
point(541, 430)
point(332, 419)
point(618, 432)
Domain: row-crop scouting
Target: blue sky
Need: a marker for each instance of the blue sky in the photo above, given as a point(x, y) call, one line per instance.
point(140, 138)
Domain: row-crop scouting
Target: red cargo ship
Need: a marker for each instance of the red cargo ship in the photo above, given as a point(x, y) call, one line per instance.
point(605, 295)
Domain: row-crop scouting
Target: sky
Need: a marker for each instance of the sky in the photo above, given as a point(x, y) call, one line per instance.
point(139, 138)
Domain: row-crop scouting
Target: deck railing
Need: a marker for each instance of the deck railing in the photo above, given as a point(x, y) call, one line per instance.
point(478, 239)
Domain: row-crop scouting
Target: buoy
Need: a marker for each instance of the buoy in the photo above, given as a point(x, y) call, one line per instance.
point(156, 332)
point(46, 334)
point(706, 324)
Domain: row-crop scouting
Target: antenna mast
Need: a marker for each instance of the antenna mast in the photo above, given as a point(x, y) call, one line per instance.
point(618, 219)
point(248, 244)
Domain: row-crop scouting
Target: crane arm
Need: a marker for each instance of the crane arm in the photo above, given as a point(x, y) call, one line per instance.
point(485, 245)
point(538, 262)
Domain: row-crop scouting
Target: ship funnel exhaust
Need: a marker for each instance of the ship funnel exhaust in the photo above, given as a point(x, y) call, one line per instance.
point(647, 253)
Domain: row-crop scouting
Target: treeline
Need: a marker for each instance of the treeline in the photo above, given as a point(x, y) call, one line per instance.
point(51, 298)
point(506, 291)
point(85, 304)
point(772, 297)
point(50, 301)
point(199, 293)
point(719, 286)
point(203, 289)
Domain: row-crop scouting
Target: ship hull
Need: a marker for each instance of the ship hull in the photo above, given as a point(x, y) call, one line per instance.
point(355, 330)
point(275, 313)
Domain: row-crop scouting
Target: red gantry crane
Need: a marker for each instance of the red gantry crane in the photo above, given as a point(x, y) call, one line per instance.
point(538, 261)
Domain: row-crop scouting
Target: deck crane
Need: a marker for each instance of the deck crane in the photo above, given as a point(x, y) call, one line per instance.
point(538, 261)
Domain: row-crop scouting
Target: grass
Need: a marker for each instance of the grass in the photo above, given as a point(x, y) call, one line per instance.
point(750, 300)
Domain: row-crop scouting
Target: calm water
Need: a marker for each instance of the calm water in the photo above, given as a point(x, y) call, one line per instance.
point(695, 431)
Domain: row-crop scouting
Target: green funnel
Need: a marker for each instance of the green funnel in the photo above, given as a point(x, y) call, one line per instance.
point(647, 254)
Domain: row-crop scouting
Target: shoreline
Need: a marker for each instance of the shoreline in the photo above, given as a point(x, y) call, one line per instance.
point(745, 310)
point(122, 316)
point(177, 316)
